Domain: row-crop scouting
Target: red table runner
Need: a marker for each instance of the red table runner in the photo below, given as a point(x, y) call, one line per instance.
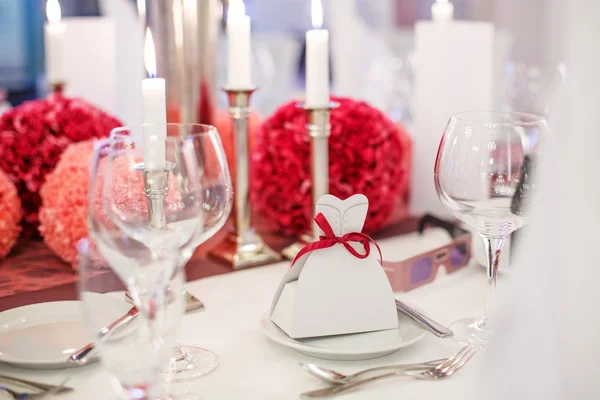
point(33, 274)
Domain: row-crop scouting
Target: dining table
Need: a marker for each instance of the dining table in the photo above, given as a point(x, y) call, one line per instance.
point(251, 366)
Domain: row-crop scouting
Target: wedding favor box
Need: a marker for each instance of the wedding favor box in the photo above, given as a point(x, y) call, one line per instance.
point(330, 291)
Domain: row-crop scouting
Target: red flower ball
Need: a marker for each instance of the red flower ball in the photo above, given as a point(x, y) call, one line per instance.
point(10, 215)
point(32, 137)
point(366, 155)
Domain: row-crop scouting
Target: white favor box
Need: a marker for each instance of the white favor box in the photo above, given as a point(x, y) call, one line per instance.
point(330, 291)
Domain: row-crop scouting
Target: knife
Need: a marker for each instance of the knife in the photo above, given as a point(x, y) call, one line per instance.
point(430, 325)
point(88, 352)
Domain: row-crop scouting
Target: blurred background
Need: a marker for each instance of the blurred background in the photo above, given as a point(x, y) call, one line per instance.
point(380, 50)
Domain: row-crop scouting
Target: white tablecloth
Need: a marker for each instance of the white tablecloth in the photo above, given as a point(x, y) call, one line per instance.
point(253, 367)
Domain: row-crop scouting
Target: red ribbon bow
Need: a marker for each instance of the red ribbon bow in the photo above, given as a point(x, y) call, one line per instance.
point(330, 240)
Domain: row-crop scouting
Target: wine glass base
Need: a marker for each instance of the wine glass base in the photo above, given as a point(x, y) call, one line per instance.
point(474, 331)
point(198, 362)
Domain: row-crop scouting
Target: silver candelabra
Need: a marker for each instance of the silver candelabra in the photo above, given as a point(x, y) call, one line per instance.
point(244, 247)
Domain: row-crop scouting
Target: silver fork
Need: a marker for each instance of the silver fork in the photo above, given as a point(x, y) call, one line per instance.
point(442, 371)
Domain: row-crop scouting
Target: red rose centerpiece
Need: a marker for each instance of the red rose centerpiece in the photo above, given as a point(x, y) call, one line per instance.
point(32, 137)
point(366, 155)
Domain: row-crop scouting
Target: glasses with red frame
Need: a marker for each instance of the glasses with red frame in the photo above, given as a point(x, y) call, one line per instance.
point(421, 269)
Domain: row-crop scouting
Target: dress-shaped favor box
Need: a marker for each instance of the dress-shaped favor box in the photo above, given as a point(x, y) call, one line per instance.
point(330, 291)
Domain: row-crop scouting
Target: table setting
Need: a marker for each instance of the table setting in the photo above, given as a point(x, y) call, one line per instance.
point(323, 251)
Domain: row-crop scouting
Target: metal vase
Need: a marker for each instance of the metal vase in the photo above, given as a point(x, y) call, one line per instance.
point(185, 36)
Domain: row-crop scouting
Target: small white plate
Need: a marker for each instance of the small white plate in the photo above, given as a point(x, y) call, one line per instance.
point(43, 335)
point(358, 346)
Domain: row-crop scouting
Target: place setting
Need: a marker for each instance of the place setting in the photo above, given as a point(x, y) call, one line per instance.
point(204, 228)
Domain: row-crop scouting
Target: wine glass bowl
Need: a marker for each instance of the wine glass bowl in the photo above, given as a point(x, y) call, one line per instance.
point(485, 176)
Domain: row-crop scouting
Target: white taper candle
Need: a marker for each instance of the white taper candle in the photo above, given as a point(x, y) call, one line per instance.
point(317, 61)
point(239, 70)
point(154, 111)
point(54, 39)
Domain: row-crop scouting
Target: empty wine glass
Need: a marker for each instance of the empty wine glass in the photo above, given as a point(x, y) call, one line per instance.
point(130, 352)
point(485, 175)
point(142, 245)
point(203, 141)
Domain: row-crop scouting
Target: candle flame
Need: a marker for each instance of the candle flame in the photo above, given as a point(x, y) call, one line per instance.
point(53, 11)
point(149, 54)
point(317, 14)
point(442, 1)
point(236, 10)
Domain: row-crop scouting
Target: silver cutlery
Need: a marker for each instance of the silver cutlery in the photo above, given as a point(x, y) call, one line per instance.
point(337, 378)
point(35, 385)
point(442, 371)
point(430, 325)
point(31, 396)
point(88, 352)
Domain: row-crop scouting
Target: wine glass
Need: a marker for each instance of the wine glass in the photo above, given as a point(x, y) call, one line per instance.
point(142, 245)
point(485, 175)
point(129, 352)
point(188, 362)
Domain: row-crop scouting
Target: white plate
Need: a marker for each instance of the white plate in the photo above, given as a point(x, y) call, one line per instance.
point(358, 346)
point(43, 335)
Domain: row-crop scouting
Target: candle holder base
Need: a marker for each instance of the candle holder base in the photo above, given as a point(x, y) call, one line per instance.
point(244, 252)
point(291, 251)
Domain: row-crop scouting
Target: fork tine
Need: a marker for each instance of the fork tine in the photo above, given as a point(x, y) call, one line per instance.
point(451, 360)
point(442, 370)
point(455, 367)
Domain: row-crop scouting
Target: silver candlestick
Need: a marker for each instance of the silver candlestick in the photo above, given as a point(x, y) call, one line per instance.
point(156, 189)
point(244, 247)
point(319, 130)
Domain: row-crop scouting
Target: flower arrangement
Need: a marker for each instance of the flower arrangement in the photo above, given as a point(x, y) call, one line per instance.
point(33, 136)
point(368, 154)
point(64, 196)
point(10, 215)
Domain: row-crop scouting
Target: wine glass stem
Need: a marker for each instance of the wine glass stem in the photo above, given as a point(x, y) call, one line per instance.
point(177, 353)
point(493, 247)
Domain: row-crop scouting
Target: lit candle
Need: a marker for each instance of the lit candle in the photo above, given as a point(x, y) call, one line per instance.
point(54, 39)
point(239, 72)
point(317, 60)
point(442, 10)
point(154, 111)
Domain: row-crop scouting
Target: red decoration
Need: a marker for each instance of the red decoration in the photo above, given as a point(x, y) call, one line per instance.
point(366, 155)
point(64, 195)
point(10, 215)
point(32, 137)
point(330, 240)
